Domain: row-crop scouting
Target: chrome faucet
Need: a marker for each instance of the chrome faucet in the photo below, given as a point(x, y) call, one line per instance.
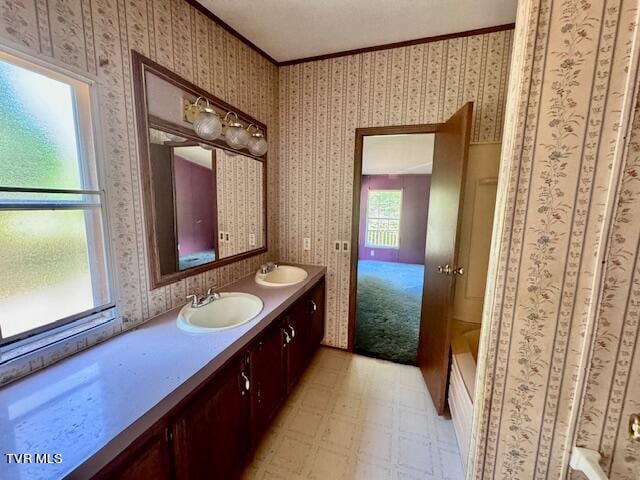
point(197, 302)
point(268, 267)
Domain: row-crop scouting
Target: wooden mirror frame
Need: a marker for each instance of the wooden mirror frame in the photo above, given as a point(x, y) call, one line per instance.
point(144, 121)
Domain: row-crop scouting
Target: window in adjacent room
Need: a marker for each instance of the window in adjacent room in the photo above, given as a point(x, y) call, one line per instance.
point(384, 209)
point(53, 250)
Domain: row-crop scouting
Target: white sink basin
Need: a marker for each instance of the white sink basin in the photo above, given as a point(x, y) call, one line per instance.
point(232, 309)
point(282, 276)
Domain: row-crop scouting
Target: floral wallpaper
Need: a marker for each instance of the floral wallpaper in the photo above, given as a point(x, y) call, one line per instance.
point(240, 205)
point(322, 103)
point(559, 365)
point(96, 37)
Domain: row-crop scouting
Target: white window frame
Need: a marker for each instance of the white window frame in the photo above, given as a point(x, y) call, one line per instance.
point(366, 232)
point(106, 317)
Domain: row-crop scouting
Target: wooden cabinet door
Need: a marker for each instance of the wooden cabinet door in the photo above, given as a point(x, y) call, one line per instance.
point(316, 307)
point(146, 458)
point(211, 437)
point(296, 333)
point(303, 329)
point(267, 378)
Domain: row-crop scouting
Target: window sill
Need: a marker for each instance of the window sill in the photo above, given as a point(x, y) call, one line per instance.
point(29, 357)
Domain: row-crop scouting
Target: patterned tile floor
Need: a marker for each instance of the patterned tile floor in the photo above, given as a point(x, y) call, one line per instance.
point(354, 417)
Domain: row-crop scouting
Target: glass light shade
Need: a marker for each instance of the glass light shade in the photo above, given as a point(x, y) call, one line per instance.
point(257, 144)
point(236, 136)
point(207, 124)
point(206, 146)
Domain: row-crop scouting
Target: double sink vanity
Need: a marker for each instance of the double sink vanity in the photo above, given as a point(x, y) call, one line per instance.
point(187, 395)
point(218, 311)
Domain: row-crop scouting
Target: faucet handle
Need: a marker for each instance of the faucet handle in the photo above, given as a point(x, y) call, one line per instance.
point(194, 299)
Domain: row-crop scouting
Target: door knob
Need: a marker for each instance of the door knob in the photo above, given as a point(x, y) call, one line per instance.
point(458, 271)
point(634, 427)
point(446, 270)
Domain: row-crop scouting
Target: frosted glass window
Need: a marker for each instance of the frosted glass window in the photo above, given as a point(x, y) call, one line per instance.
point(39, 143)
point(53, 255)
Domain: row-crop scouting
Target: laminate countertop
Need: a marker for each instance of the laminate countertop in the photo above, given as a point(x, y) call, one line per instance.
point(89, 407)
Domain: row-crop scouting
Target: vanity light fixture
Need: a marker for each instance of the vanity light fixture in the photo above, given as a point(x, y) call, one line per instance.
point(234, 134)
point(257, 143)
point(207, 124)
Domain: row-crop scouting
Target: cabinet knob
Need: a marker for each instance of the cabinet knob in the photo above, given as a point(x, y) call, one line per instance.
point(293, 332)
point(314, 307)
point(287, 338)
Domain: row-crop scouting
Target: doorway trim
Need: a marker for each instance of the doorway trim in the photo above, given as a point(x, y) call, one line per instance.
point(355, 209)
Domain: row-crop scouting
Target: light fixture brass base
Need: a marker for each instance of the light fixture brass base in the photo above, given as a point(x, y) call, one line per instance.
point(190, 110)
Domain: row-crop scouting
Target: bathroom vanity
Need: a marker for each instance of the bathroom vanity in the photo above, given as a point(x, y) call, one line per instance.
point(212, 432)
point(159, 402)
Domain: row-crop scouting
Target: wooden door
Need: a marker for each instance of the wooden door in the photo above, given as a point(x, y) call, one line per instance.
point(211, 437)
point(447, 181)
point(267, 379)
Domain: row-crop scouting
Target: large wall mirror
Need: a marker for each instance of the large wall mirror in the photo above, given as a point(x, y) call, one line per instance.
point(205, 203)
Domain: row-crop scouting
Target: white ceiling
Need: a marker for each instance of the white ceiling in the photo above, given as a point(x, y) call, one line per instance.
point(197, 155)
point(397, 154)
point(294, 29)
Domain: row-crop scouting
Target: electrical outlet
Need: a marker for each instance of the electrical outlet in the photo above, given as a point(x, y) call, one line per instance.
point(252, 239)
point(337, 245)
point(345, 245)
point(372, 253)
point(306, 243)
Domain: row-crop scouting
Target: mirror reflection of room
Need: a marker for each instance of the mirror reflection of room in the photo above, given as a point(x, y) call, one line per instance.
point(240, 207)
point(195, 210)
point(183, 193)
point(208, 202)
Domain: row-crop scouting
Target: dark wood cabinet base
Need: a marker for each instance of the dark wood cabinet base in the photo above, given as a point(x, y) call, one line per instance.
point(213, 433)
